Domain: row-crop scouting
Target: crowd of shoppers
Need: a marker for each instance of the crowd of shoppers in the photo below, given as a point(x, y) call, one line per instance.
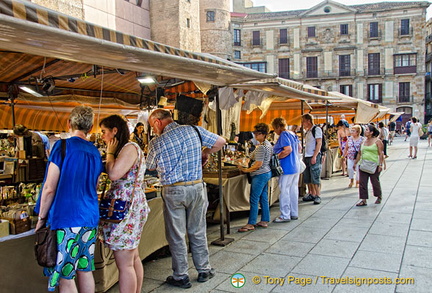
point(68, 202)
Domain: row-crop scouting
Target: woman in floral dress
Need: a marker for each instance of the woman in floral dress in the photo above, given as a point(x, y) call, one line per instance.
point(351, 151)
point(125, 166)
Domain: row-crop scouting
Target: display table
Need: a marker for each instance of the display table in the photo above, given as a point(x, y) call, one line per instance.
point(236, 192)
point(21, 273)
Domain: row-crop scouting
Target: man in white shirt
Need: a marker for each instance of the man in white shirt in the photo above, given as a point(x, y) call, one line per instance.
point(313, 156)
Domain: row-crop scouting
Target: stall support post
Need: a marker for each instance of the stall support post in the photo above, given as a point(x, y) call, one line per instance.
point(222, 241)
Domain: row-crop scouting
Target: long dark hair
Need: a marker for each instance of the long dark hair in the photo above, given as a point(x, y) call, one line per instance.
point(372, 128)
point(122, 134)
point(136, 128)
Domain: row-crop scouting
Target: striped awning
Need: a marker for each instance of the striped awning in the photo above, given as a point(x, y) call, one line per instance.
point(290, 110)
point(53, 116)
point(32, 29)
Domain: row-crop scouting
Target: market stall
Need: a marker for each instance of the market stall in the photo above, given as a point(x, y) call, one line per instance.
point(18, 260)
point(56, 55)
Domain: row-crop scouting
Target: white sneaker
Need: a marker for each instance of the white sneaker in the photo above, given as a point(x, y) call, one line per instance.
point(281, 220)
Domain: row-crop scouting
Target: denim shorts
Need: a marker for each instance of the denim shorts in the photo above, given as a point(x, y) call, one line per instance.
point(312, 173)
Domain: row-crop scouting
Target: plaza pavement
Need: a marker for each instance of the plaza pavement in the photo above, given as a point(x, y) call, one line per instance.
point(335, 240)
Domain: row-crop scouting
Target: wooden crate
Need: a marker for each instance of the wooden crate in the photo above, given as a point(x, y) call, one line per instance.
point(19, 226)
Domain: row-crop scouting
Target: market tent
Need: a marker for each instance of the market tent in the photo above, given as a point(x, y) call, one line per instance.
point(283, 99)
point(290, 110)
point(84, 59)
point(393, 116)
point(364, 111)
point(33, 29)
point(52, 114)
point(284, 88)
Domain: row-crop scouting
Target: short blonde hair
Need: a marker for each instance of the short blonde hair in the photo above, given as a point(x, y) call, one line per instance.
point(357, 128)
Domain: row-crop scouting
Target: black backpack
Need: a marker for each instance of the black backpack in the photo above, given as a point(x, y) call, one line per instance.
point(324, 147)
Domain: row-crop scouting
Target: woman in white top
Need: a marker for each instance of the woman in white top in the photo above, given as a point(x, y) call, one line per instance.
point(414, 138)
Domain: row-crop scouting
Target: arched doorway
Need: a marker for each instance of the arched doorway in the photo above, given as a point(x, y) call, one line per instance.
point(404, 118)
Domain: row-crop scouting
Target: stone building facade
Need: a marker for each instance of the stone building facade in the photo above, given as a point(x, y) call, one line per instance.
point(374, 52)
point(428, 77)
point(128, 16)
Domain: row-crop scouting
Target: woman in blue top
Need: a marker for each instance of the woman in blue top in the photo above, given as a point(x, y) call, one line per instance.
point(261, 174)
point(288, 148)
point(69, 203)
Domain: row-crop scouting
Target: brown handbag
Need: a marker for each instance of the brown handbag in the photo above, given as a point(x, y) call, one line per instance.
point(46, 247)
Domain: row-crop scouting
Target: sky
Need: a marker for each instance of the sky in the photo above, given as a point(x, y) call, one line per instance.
point(283, 5)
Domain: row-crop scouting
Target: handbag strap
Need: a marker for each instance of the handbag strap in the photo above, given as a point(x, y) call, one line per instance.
point(136, 178)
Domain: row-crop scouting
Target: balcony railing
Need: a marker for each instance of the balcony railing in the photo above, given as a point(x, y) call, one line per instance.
point(405, 99)
point(256, 42)
point(374, 34)
point(405, 32)
point(374, 71)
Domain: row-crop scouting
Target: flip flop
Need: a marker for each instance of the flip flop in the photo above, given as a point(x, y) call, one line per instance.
point(378, 200)
point(246, 229)
point(361, 204)
point(262, 225)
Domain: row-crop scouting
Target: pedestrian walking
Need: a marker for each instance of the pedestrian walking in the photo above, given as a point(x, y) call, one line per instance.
point(371, 152)
point(351, 152)
point(414, 138)
point(383, 136)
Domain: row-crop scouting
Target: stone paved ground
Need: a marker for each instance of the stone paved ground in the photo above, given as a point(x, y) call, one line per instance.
point(332, 240)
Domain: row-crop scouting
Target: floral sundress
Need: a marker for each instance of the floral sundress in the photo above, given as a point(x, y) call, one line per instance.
point(126, 235)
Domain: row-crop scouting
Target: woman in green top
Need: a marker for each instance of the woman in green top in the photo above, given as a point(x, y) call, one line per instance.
point(372, 150)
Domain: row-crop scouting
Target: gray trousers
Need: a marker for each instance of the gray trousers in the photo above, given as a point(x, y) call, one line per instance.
point(185, 209)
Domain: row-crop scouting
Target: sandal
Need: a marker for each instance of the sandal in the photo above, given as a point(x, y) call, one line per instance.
point(378, 201)
point(246, 228)
point(361, 204)
point(262, 224)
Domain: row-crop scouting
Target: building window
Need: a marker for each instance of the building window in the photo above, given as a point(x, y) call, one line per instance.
point(344, 29)
point(237, 54)
point(283, 36)
point(256, 38)
point(258, 66)
point(346, 89)
point(406, 110)
point(375, 93)
point(404, 92)
point(374, 64)
point(237, 37)
point(284, 68)
point(311, 67)
point(405, 27)
point(344, 65)
point(405, 63)
point(210, 16)
point(373, 30)
point(311, 32)
point(188, 22)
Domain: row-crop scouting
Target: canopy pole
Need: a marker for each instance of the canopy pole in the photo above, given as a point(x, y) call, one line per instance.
point(13, 94)
point(222, 241)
